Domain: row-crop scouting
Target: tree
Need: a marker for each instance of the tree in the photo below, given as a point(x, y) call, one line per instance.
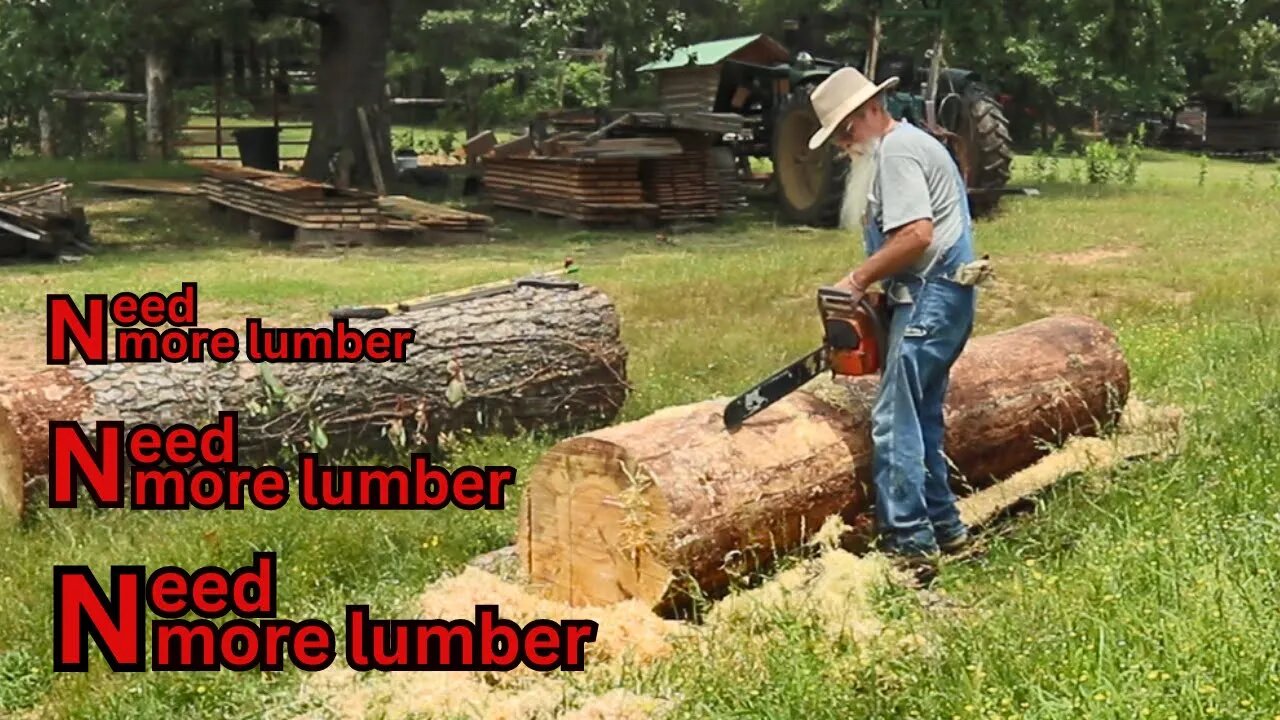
point(355, 36)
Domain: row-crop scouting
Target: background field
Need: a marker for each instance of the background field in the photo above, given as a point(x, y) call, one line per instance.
point(1145, 592)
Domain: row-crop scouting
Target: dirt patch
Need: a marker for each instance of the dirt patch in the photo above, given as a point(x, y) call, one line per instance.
point(22, 352)
point(1092, 256)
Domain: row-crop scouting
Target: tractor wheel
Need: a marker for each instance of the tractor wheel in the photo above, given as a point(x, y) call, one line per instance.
point(984, 132)
point(809, 183)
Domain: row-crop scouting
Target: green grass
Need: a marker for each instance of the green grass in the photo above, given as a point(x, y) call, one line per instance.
point(1150, 586)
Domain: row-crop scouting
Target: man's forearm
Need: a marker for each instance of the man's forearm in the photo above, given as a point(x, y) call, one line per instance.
point(903, 248)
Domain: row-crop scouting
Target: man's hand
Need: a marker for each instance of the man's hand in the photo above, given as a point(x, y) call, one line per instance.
point(850, 285)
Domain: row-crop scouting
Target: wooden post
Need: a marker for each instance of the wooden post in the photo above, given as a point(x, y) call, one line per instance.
point(47, 147)
point(217, 112)
point(131, 131)
point(371, 149)
point(873, 55)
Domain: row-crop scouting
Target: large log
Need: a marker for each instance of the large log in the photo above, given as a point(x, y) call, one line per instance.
point(532, 358)
point(640, 509)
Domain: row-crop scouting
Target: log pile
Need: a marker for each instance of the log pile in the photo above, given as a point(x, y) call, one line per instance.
point(531, 358)
point(40, 222)
point(642, 509)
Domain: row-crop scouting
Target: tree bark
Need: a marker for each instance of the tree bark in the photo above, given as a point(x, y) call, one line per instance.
point(255, 70)
point(48, 148)
point(239, 79)
point(528, 359)
point(354, 38)
point(640, 509)
point(159, 102)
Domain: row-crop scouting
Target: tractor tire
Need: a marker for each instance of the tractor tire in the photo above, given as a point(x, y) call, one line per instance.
point(809, 184)
point(984, 130)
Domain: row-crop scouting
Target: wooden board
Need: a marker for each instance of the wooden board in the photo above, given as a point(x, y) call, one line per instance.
point(158, 186)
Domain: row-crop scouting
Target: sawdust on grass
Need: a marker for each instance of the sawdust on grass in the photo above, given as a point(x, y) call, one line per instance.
point(834, 588)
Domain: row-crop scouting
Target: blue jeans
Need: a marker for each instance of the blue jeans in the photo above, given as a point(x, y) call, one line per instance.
point(915, 507)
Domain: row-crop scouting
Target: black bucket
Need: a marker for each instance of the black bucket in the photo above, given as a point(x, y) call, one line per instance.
point(259, 147)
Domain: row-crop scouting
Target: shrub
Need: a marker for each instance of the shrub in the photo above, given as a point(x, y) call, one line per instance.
point(1102, 162)
point(1131, 155)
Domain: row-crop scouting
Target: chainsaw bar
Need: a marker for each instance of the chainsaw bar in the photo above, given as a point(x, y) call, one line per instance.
point(779, 385)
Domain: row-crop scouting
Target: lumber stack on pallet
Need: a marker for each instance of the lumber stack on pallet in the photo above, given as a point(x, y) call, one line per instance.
point(591, 191)
point(293, 200)
point(684, 187)
point(729, 185)
point(40, 222)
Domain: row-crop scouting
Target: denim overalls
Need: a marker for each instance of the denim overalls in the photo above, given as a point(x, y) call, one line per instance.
point(915, 507)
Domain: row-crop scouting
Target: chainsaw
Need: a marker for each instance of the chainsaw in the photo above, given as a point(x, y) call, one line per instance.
point(855, 338)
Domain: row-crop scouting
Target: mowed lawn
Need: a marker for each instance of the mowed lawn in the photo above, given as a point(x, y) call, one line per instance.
point(1147, 591)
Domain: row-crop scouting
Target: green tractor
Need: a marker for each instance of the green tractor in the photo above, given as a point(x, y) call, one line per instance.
point(951, 103)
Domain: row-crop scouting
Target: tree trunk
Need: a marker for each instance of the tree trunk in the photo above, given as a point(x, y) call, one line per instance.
point(239, 80)
point(354, 38)
point(633, 511)
point(255, 69)
point(159, 102)
point(531, 358)
point(48, 148)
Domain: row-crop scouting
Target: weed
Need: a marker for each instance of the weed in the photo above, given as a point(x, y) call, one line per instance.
point(1101, 161)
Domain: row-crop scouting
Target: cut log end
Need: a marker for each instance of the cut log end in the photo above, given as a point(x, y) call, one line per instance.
point(588, 526)
point(12, 482)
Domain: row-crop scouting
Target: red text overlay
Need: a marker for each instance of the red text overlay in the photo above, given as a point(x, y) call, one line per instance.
point(152, 328)
point(251, 637)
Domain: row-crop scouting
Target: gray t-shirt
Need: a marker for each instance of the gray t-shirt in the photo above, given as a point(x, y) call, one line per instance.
point(917, 179)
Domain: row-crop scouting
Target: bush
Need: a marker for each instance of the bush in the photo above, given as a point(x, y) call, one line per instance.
point(1101, 160)
point(1131, 156)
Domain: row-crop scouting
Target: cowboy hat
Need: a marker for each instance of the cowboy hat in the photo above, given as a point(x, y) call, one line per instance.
point(838, 96)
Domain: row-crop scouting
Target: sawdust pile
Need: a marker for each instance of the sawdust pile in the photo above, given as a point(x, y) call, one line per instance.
point(833, 587)
point(836, 588)
point(630, 633)
point(1144, 431)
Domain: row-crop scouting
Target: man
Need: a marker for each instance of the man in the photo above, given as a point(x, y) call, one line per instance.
point(916, 229)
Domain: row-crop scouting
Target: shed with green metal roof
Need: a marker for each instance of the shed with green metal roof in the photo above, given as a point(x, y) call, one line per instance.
point(689, 77)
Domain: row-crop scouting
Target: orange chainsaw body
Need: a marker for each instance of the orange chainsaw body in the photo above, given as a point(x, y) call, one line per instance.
point(853, 333)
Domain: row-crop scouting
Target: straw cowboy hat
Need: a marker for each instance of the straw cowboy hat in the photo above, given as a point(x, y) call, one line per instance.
point(838, 96)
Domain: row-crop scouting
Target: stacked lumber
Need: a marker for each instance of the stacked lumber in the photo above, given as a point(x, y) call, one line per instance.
point(587, 190)
point(431, 216)
point(635, 148)
point(293, 200)
point(40, 222)
point(684, 187)
point(732, 193)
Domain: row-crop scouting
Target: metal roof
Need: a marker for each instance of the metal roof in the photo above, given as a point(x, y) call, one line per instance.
point(708, 53)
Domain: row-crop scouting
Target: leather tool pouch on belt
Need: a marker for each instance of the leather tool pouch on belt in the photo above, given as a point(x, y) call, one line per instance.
point(977, 273)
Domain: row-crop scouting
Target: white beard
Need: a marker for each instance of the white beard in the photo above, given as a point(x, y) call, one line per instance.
point(862, 172)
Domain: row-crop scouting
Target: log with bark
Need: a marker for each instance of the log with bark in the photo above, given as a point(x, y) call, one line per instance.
point(646, 508)
point(531, 358)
